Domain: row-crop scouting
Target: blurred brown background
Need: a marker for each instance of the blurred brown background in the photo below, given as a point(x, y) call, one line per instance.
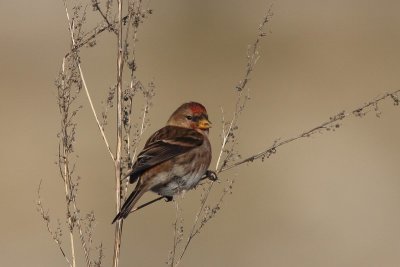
point(330, 200)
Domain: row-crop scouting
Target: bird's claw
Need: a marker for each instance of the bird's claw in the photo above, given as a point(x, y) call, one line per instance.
point(211, 175)
point(168, 198)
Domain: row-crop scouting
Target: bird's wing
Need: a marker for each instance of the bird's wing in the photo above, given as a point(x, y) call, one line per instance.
point(166, 143)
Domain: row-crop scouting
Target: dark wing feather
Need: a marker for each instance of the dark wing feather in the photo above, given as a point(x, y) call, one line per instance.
point(166, 143)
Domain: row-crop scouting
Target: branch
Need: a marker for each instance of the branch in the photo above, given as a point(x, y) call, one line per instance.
point(227, 135)
point(331, 124)
point(193, 231)
point(70, 27)
point(119, 223)
point(54, 234)
point(65, 146)
point(96, 32)
point(96, 6)
point(64, 164)
point(178, 234)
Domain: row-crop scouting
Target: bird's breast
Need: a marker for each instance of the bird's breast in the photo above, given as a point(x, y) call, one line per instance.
point(185, 172)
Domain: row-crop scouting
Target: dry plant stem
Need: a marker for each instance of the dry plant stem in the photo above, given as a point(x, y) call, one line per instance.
point(70, 223)
point(225, 135)
point(133, 82)
point(132, 13)
point(193, 230)
point(252, 58)
point(227, 189)
point(141, 131)
point(70, 196)
point(46, 218)
point(203, 201)
point(119, 223)
point(128, 125)
point(104, 16)
point(95, 114)
point(175, 244)
point(67, 178)
point(81, 235)
point(332, 123)
point(93, 36)
point(70, 27)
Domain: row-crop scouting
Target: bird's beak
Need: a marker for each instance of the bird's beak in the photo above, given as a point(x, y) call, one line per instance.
point(204, 124)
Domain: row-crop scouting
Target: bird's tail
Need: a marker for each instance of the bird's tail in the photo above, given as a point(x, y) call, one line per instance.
point(129, 203)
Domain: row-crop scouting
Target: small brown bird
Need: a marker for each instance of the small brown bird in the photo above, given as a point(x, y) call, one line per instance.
point(174, 159)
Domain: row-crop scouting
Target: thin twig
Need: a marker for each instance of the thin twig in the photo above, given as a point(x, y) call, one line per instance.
point(66, 175)
point(86, 88)
point(226, 134)
point(54, 234)
point(193, 230)
point(332, 123)
point(95, 114)
point(81, 235)
point(97, 32)
point(119, 223)
point(252, 59)
point(96, 6)
point(178, 232)
point(142, 128)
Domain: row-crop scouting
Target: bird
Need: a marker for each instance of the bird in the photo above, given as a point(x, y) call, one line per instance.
point(174, 159)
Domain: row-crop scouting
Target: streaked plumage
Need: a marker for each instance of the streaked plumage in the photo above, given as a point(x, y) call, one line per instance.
point(174, 158)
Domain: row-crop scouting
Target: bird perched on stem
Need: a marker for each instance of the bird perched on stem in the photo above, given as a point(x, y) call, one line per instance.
point(174, 159)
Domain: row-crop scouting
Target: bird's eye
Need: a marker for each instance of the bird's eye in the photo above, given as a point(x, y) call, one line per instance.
point(189, 117)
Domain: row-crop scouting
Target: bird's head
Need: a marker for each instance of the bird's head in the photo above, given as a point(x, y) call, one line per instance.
point(191, 115)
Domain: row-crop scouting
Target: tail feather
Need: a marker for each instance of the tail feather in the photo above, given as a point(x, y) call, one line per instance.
point(129, 203)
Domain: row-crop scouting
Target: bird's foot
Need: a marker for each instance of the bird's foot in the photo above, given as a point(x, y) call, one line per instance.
point(211, 175)
point(168, 198)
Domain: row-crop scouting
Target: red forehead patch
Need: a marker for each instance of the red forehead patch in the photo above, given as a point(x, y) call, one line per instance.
point(197, 107)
